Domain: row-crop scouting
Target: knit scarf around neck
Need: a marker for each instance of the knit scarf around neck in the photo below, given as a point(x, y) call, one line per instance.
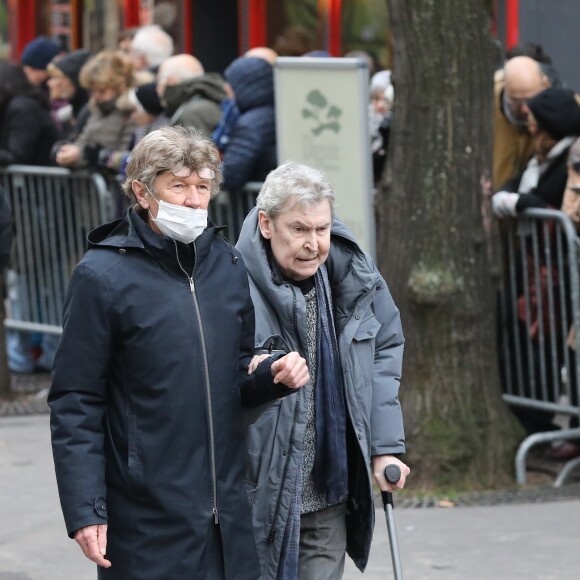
point(330, 466)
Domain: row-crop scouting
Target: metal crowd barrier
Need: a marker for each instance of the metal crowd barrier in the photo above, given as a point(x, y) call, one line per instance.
point(539, 334)
point(53, 210)
point(231, 208)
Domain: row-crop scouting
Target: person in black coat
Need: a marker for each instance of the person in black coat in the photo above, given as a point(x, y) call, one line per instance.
point(250, 153)
point(27, 134)
point(150, 375)
point(36, 56)
point(27, 131)
point(553, 121)
point(68, 98)
point(6, 230)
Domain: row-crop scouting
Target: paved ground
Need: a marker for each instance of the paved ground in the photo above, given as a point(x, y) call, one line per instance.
point(509, 541)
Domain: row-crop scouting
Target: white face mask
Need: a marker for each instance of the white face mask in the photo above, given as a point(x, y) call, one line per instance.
point(177, 222)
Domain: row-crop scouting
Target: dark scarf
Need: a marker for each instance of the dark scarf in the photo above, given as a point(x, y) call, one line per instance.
point(330, 466)
point(330, 471)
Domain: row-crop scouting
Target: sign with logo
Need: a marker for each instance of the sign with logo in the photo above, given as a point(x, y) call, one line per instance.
point(322, 121)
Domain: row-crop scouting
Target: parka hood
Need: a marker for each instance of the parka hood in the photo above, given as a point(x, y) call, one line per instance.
point(345, 254)
point(119, 233)
point(252, 80)
point(207, 86)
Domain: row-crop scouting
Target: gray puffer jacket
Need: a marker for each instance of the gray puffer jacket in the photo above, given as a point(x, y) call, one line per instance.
point(113, 130)
point(370, 343)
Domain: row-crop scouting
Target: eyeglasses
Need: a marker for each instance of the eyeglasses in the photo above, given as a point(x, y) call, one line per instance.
point(515, 102)
point(206, 173)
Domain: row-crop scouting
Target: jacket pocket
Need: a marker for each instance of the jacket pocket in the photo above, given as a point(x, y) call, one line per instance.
point(251, 489)
point(274, 344)
point(262, 459)
point(363, 345)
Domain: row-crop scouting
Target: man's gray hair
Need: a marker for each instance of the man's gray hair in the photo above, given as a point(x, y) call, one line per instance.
point(169, 150)
point(294, 182)
point(154, 43)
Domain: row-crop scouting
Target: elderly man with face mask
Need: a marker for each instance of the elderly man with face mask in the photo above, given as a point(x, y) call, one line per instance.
point(309, 455)
point(150, 377)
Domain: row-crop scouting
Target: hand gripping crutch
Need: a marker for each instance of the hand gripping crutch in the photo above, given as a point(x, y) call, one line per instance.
point(392, 475)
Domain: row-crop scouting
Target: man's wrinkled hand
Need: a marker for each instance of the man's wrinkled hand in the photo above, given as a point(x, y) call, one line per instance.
point(93, 543)
point(291, 370)
point(379, 464)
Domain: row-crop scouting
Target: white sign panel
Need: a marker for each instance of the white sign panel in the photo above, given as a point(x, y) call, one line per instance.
point(322, 121)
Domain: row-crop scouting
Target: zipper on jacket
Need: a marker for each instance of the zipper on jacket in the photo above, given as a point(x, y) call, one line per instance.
point(214, 508)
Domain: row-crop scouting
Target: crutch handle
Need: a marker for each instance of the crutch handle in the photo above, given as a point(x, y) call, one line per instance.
point(392, 473)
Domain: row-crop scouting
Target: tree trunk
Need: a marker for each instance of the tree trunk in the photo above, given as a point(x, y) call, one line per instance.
point(435, 244)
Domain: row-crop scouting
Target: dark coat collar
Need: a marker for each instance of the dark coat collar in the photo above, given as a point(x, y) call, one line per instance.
point(132, 232)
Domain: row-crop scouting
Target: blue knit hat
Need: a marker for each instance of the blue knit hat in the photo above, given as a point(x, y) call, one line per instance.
point(39, 52)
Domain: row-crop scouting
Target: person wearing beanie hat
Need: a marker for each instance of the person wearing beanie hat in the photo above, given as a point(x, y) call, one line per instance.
point(148, 99)
point(555, 111)
point(553, 122)
point(35, 58)
point(71, 64)
point(68, 99)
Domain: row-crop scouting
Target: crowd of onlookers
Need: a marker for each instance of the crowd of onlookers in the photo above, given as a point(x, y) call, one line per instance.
point(78, 109)
point(85, 110)
point(536, 164)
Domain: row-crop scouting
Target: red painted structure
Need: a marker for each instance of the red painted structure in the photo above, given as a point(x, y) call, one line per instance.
point(24, 22)
point(512, 22)
point(256, 19)
point(130, 13)
point(335, 27)
point(23, 15)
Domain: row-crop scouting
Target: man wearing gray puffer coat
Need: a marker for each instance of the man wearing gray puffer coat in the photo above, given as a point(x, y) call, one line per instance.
point(310, 454)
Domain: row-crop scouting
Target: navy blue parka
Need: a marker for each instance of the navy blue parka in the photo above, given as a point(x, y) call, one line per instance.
point(251, 150)
point(145, 402)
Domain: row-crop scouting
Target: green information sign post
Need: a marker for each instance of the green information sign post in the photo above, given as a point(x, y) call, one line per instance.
point(321, 120)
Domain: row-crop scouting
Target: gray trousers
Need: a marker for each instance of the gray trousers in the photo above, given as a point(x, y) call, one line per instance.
point(323, 544)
